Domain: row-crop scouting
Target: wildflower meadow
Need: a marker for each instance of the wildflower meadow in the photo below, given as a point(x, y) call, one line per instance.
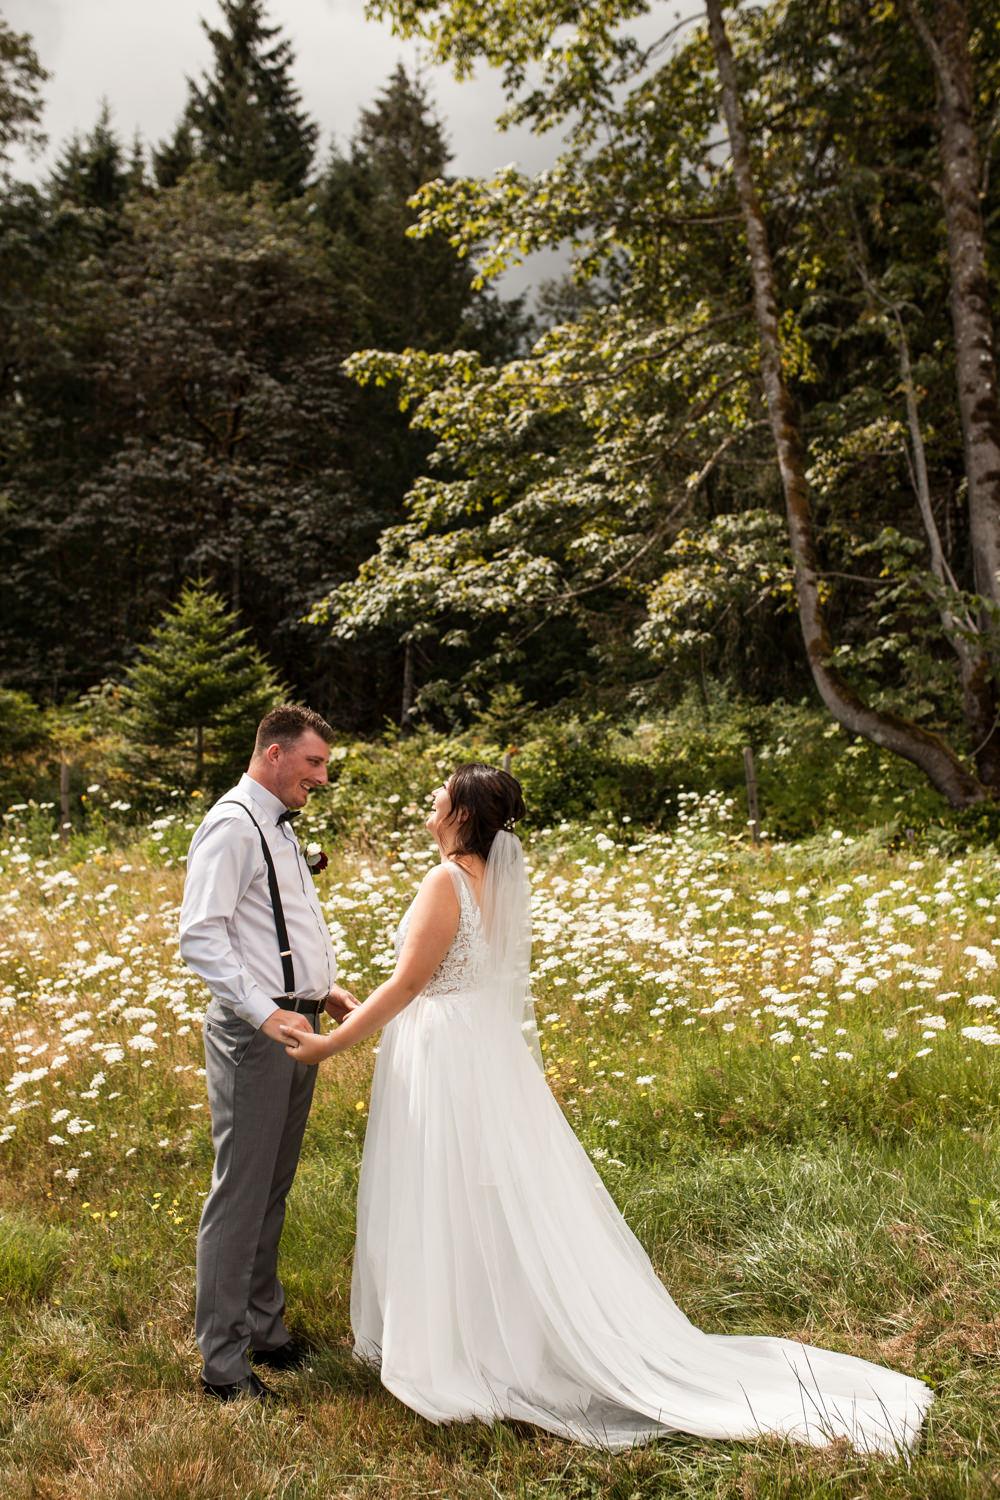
point(784, 1061)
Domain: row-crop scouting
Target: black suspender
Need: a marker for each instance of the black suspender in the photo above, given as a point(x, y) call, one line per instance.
point(285, 952)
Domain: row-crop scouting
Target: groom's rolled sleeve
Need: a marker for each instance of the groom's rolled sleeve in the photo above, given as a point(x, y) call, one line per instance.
point(220, 867)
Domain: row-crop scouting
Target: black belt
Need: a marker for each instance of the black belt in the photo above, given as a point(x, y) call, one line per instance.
point(304, 1007)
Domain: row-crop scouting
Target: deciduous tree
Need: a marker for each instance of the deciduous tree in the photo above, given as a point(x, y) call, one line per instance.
point(562, 479)
point(21, 79)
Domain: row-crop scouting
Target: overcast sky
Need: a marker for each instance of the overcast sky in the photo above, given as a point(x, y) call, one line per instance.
point(138, 54)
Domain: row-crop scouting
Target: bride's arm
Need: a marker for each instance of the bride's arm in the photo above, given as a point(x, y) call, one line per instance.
point(429, 934)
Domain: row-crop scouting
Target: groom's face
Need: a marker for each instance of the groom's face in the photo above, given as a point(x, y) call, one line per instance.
point(301, 768)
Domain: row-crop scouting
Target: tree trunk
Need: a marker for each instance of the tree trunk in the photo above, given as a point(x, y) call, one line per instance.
point(975, 347)
point(979, 694)
point(927, 751)
point(199, 755)
point(963, 632)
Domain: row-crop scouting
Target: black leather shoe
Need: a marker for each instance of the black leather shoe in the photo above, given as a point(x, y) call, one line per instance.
point(290, 1356)
point(250, 1388)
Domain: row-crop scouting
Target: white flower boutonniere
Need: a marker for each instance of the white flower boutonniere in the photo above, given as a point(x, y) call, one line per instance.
point(316, 858)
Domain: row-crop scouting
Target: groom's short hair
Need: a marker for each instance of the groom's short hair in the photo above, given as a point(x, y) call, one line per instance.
point(287, 723)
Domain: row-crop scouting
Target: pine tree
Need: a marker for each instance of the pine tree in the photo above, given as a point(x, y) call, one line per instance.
point(401, 136)
point(136, 176)
point(401, 293)
point(246, 116)
point(172, 158)
point(197, 691)
point(404, 292)
point(92, 172)
point(192, 372)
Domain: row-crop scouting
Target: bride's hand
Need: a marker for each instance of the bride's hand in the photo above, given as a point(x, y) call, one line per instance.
point(305, 1046)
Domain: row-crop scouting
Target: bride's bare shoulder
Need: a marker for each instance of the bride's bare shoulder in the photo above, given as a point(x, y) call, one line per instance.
point(438, 885)
point(436, 902)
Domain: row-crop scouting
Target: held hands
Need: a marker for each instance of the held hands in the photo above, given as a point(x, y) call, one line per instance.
point(296, 1034)
point(304, 1046)
point(340, 1003)
point(281, 1020)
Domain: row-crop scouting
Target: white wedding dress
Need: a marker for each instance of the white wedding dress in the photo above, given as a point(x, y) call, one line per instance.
point(495, 1278)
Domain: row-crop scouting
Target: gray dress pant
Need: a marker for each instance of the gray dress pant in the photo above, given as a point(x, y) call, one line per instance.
point(259, 1099)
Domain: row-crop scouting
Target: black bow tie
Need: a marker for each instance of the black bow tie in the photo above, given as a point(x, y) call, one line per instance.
point(287, 816)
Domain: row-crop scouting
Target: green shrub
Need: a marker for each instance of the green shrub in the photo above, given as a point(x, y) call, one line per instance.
point(811, 776)
point(24, 767)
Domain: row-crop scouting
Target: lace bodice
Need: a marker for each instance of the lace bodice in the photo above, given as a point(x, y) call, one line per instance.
point(463, 964)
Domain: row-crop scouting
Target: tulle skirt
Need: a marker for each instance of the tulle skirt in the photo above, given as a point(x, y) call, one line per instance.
point(495, 1278)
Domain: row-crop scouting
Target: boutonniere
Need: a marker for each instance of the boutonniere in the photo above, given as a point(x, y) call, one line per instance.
point(315, 858)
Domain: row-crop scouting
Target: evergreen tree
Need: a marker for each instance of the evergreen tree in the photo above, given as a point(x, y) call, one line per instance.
point(246, 116)
point(92, 172)
point(197, 689)
point(48, 435)
point(184, 417)
point(405, 292)
point(137, 178)
point(400, 293)
point(171, 159)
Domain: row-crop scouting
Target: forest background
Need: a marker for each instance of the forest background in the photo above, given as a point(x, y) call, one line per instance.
point(267, 429)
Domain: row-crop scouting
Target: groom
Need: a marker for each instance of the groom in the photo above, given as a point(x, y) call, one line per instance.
point(252, 927)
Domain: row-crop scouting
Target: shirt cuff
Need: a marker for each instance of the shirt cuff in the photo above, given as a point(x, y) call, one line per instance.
point(258, 1007)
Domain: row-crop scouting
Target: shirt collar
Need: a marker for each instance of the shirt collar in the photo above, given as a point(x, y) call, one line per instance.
point(264, 799)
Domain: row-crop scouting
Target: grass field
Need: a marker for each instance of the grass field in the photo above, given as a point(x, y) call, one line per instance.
point(784, 1062)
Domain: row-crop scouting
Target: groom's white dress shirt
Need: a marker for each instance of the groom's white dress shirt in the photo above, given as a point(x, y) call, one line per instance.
point(227, 923)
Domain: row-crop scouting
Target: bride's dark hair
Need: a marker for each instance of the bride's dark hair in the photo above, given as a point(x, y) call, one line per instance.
point(483, 800)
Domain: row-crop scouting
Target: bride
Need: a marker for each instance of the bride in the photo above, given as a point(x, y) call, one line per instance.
point(493, 1275)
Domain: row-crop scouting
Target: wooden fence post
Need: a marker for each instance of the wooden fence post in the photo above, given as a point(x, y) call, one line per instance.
point(752, 808)
point(406, 708)
point(64, 801)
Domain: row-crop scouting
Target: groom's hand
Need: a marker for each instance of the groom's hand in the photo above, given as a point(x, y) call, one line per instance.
point(291, 1018)
point(340, 1003)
